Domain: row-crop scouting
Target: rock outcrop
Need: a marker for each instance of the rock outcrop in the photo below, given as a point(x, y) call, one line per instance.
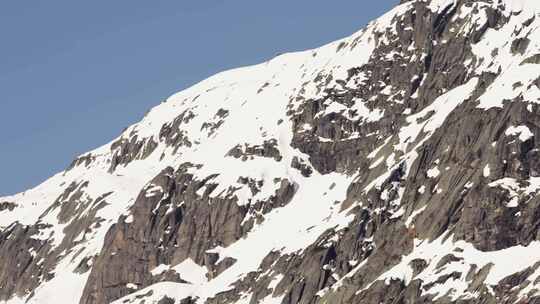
point(398, 165)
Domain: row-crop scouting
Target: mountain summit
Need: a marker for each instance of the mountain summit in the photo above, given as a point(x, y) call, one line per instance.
point(398, 165)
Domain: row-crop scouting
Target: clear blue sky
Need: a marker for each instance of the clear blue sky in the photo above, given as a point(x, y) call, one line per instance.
point(73, 74)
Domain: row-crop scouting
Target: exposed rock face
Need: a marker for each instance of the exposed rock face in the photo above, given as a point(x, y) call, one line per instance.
point(399, 165)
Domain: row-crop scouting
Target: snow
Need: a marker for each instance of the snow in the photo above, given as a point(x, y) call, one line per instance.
point(516, 190)
point(275, 281)
point(503, 263)
point(523, 131)
point(296, 235)
point(511, 64)
point(433, 172)
point(191, 271)
point(129, 219)
point(66, 280)
point(238, 92)
point(250, 251)
point(188, 271)
point(439, 5)
point(376, 163)
point(399, 213)
point(153, 190)
point(131, 286)
point(486, 172)
point(413, 215)
point(420, 128)
point(160, 269)
point(159, 290)
point(437, 112)
point(502, 89)
point(378, 149)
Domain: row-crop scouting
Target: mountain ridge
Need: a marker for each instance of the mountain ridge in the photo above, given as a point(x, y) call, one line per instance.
point(378, 168)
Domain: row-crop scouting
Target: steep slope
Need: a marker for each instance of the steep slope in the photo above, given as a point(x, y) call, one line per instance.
point(398, 165)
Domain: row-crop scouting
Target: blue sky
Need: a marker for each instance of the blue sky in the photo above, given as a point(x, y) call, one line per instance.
point(75, 73)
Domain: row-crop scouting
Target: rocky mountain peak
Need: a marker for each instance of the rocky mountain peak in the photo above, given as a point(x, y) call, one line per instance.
point(397, 165)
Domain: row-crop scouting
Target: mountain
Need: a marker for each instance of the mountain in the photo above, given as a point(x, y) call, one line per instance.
point(398, 165)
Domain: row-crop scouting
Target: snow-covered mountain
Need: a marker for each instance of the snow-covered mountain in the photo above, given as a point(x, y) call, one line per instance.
point(398, 165)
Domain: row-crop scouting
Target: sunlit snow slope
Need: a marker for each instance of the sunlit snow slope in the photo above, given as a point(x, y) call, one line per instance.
point(398, 165)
